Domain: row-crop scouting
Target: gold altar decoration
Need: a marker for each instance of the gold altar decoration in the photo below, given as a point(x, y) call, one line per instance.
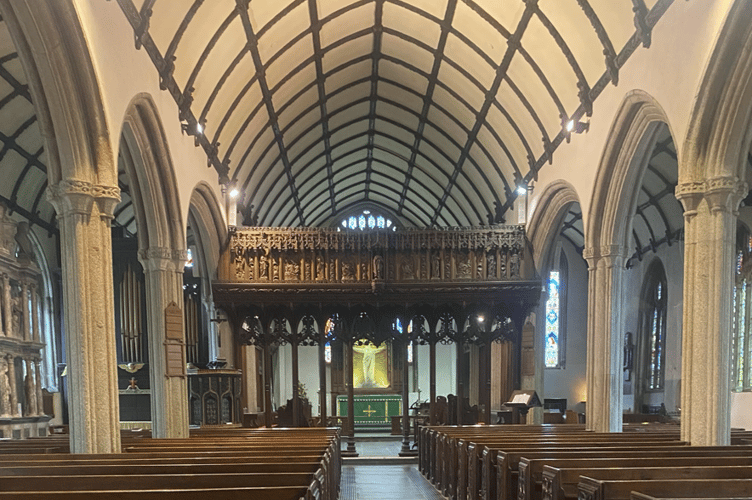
point(370, 365)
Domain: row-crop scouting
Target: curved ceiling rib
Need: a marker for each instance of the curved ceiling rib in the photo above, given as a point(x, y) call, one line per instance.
point(430, 110)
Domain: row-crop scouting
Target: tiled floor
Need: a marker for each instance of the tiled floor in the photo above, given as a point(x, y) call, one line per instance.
point(376, 448)
point(386, 482)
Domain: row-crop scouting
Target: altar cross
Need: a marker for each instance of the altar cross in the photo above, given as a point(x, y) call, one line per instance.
point(369, 411)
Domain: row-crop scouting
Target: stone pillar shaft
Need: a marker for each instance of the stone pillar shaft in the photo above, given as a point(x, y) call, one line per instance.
point(84, 212)
point(13, 389)
point(163, 273)
point(604, 339)
point(709, 248)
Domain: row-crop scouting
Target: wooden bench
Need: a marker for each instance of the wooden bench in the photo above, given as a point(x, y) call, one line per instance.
point(599, 489)
point(563, 483)
point(537, 477)
point(230, 464)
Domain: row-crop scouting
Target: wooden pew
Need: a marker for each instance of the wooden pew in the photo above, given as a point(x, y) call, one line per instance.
point(602, 489)
point(255, 493)
point(563, 483)
point(537, 477)
point(507, 463)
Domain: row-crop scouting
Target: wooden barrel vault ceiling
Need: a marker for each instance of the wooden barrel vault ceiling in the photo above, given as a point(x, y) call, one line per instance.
point(432, 111)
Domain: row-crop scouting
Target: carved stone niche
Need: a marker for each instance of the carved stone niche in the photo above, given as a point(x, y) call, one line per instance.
point(21, 409)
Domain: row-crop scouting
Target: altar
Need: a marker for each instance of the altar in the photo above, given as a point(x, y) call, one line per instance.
point(372, 410)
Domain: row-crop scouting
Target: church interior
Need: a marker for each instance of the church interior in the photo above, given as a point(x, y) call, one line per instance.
point(352, 214)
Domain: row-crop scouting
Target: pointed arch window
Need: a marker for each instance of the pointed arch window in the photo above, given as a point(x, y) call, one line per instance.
point(555, 312)
point(741, 338)
point(366, 221)
point(653, 324)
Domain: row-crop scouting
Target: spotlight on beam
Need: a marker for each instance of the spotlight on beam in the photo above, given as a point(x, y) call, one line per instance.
point(522, 190)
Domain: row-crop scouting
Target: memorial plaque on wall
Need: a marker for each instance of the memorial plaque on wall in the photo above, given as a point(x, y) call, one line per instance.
point(175, 364)
point(173, 322)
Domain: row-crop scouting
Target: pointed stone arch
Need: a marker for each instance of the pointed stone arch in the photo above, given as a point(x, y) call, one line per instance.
point(82, 179)
point(162, 252)
point(711, 186)
point(545, 223)
point(632, 138)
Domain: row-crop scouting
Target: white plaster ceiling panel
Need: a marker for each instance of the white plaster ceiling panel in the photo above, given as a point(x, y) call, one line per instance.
point(345, 52)
point(535, 92)
point(390, 70)
point(308, 139)
point(343, 134)
point(462, 87)
point(303, 124)
point(617, 18)
point(281, 32)
point(577, 32)
point(414, 76)
point(346, 24)
point(353, 73)
point(412, 24)
point(397, 148)
point(508, 13)
point(433, 187)
point(401, 96)
point(235, 120)
point(485, 36)
point(360, 91)
point(464, 115)
point(383, 182)
point(450, 149)
point(255, 136)
point(214, 111)
point(503, 128)
point(279, 204)
point(165, 20)
point(542, 47)
point(328, 7)
point(310, 157)
point(206, 77)
point(352, 175)
point(302, 104)
point(410, 53)
point(492, 169)
point(519, 114)
point(291, 58)
point(447, 124)
point(338, 117)
point(463, 56)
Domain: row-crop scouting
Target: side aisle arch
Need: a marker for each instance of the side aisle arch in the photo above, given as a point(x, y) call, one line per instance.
point(631, 140)
point(711, 186)
point(82, 176)
point(162, 252)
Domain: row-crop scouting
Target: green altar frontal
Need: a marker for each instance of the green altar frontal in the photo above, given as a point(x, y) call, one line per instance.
point(372, 410)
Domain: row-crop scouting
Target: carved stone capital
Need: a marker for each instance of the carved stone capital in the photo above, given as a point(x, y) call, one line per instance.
point(73, 196)
point(690, 195)
point(725, 193)
point(612, 254)
point(162, 259)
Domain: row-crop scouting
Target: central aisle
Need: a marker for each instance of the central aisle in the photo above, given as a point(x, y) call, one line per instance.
point(386, 482)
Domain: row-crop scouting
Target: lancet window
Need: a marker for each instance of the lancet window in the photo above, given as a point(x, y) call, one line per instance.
point(367, 221)
point(741, 341)
point(653, 324)
point(555, 349)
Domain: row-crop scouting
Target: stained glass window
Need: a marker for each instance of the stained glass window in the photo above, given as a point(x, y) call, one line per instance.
point(741, 337)
point(367, 221)
point(552, 320)
point(653, 325)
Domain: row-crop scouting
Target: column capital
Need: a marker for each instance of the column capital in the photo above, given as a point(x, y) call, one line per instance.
point(162, 259)
point(723, 194)
point(73, 196)
point(611, 253)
